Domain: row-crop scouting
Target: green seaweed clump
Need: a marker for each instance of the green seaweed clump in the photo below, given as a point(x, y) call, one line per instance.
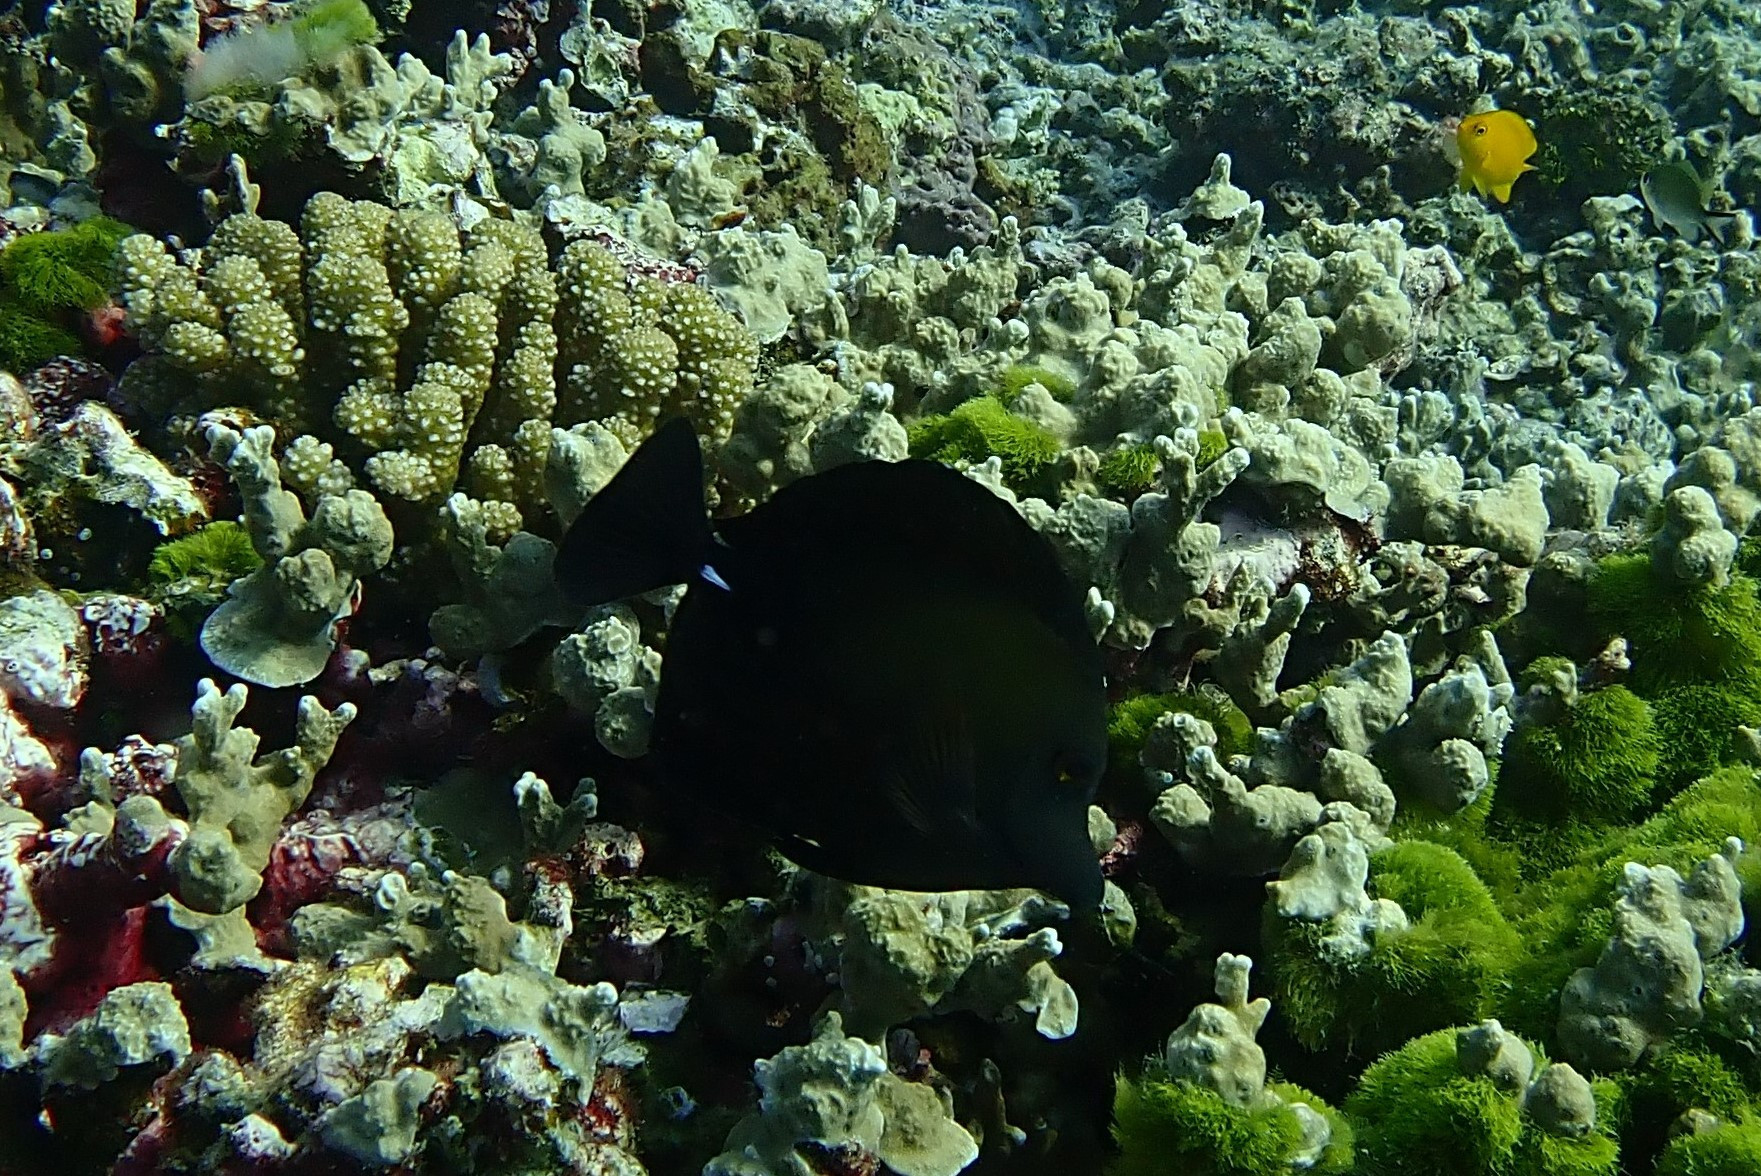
point(1593, 763)
point(327, 26)
point(1163, 1126)
point(1673, 1083)
point(48, 278)
point(1419, 1110)
point(1729, 1149)
point(1597, 137)
point(1677, 635)
point(1698, 725)
point(190, 575)
point(1447, 966)
point(1696, 654)
point(1212, 444)
point(1129, 721)
point(1128, 471)
point(983, 428)
point(1017, 376)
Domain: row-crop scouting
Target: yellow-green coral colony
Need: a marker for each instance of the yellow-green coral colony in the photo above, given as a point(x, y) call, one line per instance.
point(392, 347)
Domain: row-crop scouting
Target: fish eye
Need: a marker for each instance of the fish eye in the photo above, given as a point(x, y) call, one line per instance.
point(1480, 130)
point(1072, 771)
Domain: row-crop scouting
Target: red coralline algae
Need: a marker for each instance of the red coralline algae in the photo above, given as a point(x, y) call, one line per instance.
point(90, 892)
point(136, 768)
point(639, 263)
point(63, 384)
point(129, 641)
point(75, 878)
point(90, 961)
point(315, 848)
point(1126, 843)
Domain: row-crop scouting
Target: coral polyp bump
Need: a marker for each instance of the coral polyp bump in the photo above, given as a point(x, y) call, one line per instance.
point(1366, 392)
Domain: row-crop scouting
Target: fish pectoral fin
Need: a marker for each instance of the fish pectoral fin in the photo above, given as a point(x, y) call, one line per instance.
point(646, 528)
point(934, 785)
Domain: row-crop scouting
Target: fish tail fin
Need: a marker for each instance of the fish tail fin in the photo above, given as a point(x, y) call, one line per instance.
point(645, 529)
point(1718, 222)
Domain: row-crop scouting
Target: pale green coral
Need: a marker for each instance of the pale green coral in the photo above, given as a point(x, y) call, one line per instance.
point(605, 671)
point(510, 591)
point(378, 1126)
point(135, 1027)
point(1647, 984)
point(237, 800)
point(1204, 1105)
point(277, 628)
point(835, 1092)
point(904, 955)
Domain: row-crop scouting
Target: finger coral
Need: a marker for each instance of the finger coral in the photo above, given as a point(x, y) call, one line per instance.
point(392, 347)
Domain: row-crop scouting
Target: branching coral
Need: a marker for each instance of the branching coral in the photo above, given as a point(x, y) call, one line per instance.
point(237, 800)
point(278, 625)
point(421, 357)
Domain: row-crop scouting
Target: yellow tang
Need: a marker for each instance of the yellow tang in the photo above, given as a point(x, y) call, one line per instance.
point(1495, 147)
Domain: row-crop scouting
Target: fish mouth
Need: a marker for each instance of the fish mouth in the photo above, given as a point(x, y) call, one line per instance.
point(1082, 891)
point(1064, 865)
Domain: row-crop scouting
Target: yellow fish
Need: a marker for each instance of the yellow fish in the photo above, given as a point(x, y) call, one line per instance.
point(1495, 148)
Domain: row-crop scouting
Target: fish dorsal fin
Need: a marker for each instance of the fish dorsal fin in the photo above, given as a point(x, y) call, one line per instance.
point(645, 529)
point(933, 784)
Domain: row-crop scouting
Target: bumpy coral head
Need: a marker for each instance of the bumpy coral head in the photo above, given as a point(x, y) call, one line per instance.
point(1444, 134)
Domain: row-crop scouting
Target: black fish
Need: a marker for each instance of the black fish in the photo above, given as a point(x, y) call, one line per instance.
point(883, 666)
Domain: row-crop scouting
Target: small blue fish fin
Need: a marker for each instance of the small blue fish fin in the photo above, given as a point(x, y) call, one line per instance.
point(1717, 222)
point(645, 529)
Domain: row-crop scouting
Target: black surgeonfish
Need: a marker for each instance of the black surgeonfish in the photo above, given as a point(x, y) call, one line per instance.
point(883, 666)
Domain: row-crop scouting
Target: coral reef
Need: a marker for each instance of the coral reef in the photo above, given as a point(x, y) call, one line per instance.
point(1415, 531)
